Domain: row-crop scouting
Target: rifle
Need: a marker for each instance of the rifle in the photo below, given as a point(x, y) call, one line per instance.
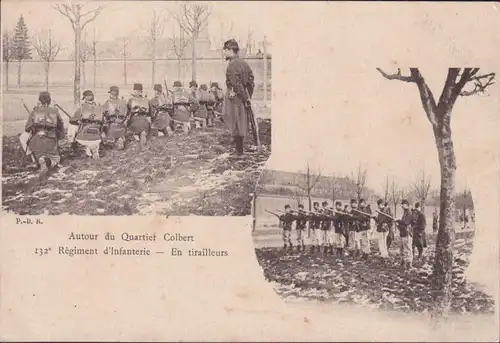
point(277, 215)
point(253, 123)
point(341, 212)
point(62, 110)
point(25, 107)
point(385, 214)
point(363, 213)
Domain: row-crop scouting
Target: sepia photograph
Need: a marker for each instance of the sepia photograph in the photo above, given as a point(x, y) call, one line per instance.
point(390, 227)
point(134, 108)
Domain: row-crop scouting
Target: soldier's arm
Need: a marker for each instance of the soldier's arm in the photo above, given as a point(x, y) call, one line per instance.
point(28, 127)
point(235, 77)
point(60, 126)
point(76, 117)
point(251, 82)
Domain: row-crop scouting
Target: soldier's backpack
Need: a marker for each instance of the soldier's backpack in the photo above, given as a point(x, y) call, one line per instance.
point(139, 105)
point(180, 96)
point(115, 107)
point(91, 112)
point(204, 96)
point(45, 117)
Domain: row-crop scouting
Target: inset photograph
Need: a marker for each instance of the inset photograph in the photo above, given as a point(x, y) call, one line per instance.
point(166, 111)
point(388, 224)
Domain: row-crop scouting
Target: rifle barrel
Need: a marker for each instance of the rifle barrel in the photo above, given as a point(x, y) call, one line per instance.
point(62, 110)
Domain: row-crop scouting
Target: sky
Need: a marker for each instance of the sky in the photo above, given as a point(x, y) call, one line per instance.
point(121, 18)
point(337, 111)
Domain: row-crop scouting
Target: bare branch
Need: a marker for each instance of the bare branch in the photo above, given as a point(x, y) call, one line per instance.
point(481, 83)
point(397, 76)
point(46, 47)
point(67, 11)
point(94, 15)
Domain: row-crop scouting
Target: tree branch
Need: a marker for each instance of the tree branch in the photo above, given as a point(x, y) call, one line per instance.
point(96, 12)
point(481, 83)
point(397, 76)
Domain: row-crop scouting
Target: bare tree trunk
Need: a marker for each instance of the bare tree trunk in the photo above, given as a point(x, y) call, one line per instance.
point(193, 58)
point(84, 75)
point(265, 70)
point(153, 62)
point(443, 262)
point(125, 69)
point(76, 82)
point(95, 69)
point(19, 73)
point(47, 70)
point(7, 76)
point(179, 68)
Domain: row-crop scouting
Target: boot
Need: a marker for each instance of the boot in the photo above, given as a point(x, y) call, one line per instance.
point(298, 248)
point(313, 249)
point(303, 247)
point(239, 145)
point(33, 164)
point(291, 247)
point(325, 250)
point(331, 249)
point(341, 253)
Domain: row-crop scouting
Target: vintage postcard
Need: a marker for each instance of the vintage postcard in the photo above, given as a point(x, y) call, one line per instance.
point(141, 199)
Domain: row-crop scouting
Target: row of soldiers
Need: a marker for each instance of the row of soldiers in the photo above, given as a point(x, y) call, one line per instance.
point(94, 124)
point(350, 227)
point(118, 119)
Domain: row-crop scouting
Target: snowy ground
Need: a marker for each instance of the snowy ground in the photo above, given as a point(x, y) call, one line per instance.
point(376, 284)
point(182, 175)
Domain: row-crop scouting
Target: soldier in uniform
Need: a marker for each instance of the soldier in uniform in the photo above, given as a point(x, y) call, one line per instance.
point(435, 221)
point(139, 113)
point(419, 239)
point(240, 86)
point(301, 221)
point(89, 118)
point(364, 227)
point(218, 96)
point(390, 233)
point(406, 233)
point(161, 121)
point(194, 105)
point(340, 230)
point(204, 100)
point(43, 130)
point(384, 222)
point(115, 117)
point(353, 229)
point(326, 229)
point(181, 101)
point(315, 225)
point(286, 220)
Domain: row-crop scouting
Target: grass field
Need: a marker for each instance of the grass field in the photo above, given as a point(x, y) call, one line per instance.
point(182, 175)
point(374, 284)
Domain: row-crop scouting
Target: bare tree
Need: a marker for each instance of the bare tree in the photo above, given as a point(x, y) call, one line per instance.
point(396, 195)
point(459, 82)
point(422, 187)
point(333, 183)
point(124, 53)
point(47, 48)
point(7, 52)
point(155, 31)
point(249, 45)
point(386, 189)
point(310, 180)
point(179, 46)
point(226, 31)
point(193, 19)
point(85, 55)
point(79, 19)
point(359, 181)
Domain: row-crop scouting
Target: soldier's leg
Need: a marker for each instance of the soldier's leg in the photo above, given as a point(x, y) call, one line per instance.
point(285, 239)
point(23, 139)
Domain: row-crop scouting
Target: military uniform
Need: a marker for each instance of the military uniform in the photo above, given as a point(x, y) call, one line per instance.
point(340, 232)
point(301, 221)
point(383, 225)
point(181, 102)
point(89, 118)
point(286, 223)
point(362, 233)
point(419, 241)
point(214, 105)
point(326, 231)
point(205, 99)
point(240, 85)
point(115, 117)
point(406, 233)
point(139, 112)
point(159, 109)
point(315, 225)
point(43, 130)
